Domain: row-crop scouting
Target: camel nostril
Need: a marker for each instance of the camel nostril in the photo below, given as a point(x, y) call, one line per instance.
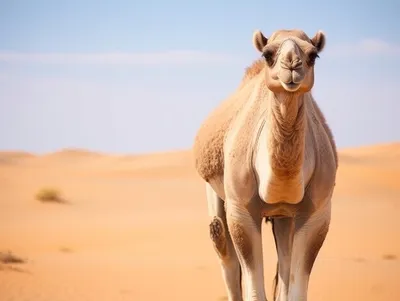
point(296, 64)
point(292, 65)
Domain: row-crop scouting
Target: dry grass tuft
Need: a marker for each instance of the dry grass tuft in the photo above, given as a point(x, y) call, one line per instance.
point(65, 250)
point(49, 195)
point(10, 258)
point(389, 257)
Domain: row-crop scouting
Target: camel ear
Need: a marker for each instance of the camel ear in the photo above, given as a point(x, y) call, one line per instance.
point(259, 41)
point(319, 41)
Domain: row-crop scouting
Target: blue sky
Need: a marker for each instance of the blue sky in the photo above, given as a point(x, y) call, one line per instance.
point(133, 77)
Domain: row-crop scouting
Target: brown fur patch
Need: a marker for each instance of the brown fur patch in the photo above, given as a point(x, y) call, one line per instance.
point(314, 246)
point(217, 235)
point(242, 241)
point(287, 141)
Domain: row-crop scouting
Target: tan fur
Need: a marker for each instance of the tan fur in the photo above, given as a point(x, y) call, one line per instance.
point(243, 242)
point(284, 33)
point(328, 131)
point(209, 141)
point(253, 70)
point(240, 140)
point(287, 140)
point(315, 245)
point(267, 149)
point(286, 145)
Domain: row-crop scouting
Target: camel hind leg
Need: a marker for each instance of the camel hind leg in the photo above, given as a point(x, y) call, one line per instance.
point(283, 231)
point(223, 245)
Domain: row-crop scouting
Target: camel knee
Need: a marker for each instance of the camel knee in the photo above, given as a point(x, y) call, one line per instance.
point(218, 236)
point(243, 241)
point(315, 245)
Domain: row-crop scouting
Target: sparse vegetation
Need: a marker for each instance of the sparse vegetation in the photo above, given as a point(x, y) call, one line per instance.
point(389, 257)
point(8, 262)
point(10, 258)
point(66, 250)
point(49, 195)
point(359, 259)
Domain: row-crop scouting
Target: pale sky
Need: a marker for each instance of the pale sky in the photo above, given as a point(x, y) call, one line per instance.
point(136, 76)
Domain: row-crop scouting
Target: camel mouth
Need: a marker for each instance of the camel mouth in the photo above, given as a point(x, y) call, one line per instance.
point(291, 87)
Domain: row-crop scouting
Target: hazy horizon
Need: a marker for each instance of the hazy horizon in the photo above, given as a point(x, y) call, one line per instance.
point(161, 151)
point(138, 77)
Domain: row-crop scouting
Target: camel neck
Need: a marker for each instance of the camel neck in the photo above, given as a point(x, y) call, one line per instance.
point(286, 143)
point(286, 109)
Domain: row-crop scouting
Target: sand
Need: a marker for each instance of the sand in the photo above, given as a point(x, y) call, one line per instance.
point(136, 228)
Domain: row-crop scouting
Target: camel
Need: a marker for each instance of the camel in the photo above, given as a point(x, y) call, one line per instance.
point(268, 152)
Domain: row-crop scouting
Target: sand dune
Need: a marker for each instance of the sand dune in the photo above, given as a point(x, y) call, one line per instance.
point(135, 228)
point(9, 157)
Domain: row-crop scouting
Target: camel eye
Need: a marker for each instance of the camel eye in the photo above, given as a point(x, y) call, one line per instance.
point(269, 56)
point(312, 57)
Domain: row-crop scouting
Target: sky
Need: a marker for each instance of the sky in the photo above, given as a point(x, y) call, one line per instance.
point(128, 76)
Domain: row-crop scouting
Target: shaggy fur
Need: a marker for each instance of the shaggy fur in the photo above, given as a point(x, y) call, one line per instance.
point(209, 141)
point(287, 139)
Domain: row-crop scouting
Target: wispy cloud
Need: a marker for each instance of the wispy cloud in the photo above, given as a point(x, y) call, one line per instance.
point(118, 58)
point(365, 47)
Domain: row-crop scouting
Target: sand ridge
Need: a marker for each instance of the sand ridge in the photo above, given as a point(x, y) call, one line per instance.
point(136, 228)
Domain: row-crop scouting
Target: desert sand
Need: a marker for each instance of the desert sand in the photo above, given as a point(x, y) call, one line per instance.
point(136, 228)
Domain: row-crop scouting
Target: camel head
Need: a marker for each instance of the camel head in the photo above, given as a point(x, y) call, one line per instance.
point(290, 57)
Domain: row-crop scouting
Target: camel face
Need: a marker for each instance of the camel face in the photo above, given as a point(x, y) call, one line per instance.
point(290, 56)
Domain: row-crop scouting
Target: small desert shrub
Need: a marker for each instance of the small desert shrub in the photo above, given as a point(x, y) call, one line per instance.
point(10, 258)
point(49, 195)
point(65, 250)
point(389, 257)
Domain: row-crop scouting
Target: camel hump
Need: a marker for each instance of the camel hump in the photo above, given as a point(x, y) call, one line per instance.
point(208, 148)
point(209, 142)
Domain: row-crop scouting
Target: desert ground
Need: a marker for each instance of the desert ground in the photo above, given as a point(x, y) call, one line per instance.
point(135, 227)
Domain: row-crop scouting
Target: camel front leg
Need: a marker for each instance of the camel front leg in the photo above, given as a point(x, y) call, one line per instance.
point(223, 246)
point(245, 228)
point(310, 234)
